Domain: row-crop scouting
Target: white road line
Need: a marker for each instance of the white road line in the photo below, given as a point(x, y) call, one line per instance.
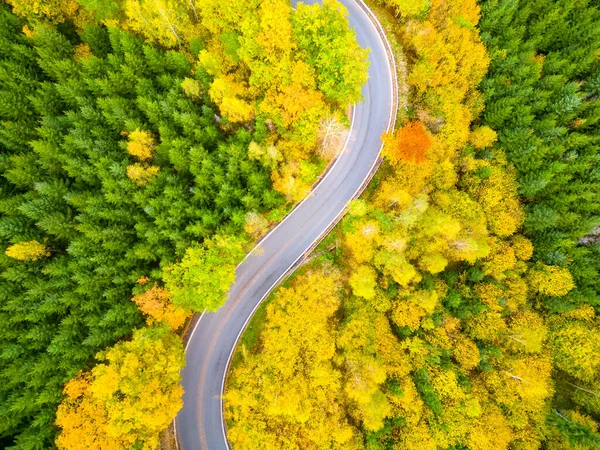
point(187, 344)
point(308, 196)
point(393, 79)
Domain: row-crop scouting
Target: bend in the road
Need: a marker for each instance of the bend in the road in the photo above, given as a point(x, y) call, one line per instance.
point(210, 347)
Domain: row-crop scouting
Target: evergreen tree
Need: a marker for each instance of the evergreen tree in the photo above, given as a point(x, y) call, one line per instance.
point(76, 111)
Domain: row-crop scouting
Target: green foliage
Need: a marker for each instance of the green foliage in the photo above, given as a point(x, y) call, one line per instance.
point(331, 48)
point(201, 280)
point(66, 114)
point(427, 392)
point(577, 434)
point(546, 114)
point(542, 99)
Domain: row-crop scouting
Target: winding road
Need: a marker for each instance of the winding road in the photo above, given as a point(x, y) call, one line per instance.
point(200, 424)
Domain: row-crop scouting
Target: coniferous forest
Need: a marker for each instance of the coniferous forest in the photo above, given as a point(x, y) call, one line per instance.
point(146, 145)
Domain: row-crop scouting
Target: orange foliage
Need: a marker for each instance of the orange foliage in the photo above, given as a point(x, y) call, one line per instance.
point(157, 305)
point(411, 143)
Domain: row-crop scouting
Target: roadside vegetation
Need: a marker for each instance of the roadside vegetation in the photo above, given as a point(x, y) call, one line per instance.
point(457, 305)
point(144, 145)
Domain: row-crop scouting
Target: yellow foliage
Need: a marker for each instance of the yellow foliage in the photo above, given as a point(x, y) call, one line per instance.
point(516, 292)
point(498, 196)
point(417, 437)
point(361, 243)
point(397, 364)
point(128, 399)
point(363, 282)
point(452, 61)
point(466, 353)
point(356, 334)
point(53, 11)
point(84, 421)
point(489, 431)
point(439, 338)
point(575, 347)
point(584, 312)
point(164, 22)
point(141, 174)
point(256, 225)
point(292, 102)
point(191, 88)
point(415, 434)
point(391, 194)
point(501, 259)
point(28, 31)
point(27, 251)
point(460, 224)
point(365, 374)
point(295, 177)
point(530, 378)
point(550, 280)
point(428, 300)
point(82, 51)
point(268, 393)
point(409, 177)
point(444, 175)
point(382, 302)
point(446, 385)
point(486, 326)
point(483, 137)
point(522, 247)
point(395, 265)
point(229, 94)
point(408, 8)
point(141, 144)
point(375, 411)
point(435, 263)
point(526, 332)
point(492, 295)
point(408, 314)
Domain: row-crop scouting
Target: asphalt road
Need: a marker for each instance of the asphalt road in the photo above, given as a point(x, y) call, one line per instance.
point(200, 424)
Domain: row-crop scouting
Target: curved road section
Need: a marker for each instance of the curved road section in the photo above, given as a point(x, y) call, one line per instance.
point(200, 423)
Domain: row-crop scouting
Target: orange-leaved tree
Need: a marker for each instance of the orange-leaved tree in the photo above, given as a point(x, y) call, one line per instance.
point(410, 144)
point(156, 303)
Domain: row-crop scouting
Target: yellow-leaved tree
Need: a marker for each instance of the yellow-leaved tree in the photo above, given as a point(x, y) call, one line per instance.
point(290, 394)
point(27, 251)
point(127, 399)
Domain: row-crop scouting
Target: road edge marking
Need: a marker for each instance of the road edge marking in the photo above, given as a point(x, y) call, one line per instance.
point(394, 82)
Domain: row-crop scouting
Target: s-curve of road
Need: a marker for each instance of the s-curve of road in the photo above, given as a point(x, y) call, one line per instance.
point(200, 424)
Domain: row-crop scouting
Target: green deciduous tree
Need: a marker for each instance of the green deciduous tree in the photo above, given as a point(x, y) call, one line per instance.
point(330, 47)
point(201, 280)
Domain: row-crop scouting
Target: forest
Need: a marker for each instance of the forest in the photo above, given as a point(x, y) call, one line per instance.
point(456, 305)
point(144, 145)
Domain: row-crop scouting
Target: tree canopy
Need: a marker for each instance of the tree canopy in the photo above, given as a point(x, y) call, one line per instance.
point(124, 152)
point(467, 316)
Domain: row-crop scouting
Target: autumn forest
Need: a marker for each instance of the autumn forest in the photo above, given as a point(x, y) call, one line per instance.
point(146, 146)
